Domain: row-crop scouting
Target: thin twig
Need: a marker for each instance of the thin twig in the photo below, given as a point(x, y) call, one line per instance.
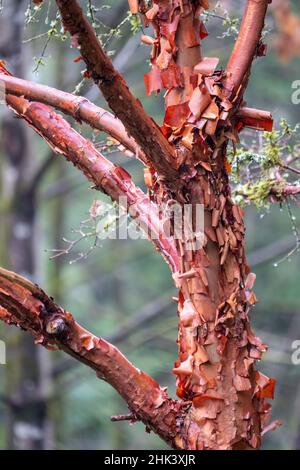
point(290, 168)
point(128, 417)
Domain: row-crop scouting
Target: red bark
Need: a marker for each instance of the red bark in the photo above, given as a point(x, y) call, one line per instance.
point(115, 90)
point(217, 348)
point(79, 108)
point(107, 177)
point(246, 46)
point(24, 304)
point(222, 397)
point(254, 118)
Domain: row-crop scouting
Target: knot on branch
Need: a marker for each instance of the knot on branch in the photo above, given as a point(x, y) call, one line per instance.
point(54, 321)
point(57, 327)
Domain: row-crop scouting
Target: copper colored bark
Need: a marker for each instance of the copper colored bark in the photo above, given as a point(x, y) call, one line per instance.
point(79, 108)
point(107, 177)
point(222, 398)
point(254, 118)
point(217, 348)
point(246, 46)
point(27, 306)
point(115, 90)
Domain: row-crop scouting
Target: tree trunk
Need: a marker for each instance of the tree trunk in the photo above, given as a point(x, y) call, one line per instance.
point(217, 348)
point(222, 397)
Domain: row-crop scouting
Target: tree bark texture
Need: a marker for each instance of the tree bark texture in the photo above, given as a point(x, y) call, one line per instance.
point(222, 397)
point(217, 348)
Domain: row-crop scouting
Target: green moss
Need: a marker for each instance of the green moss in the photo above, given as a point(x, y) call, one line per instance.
point(259, 170)
point(259, 192)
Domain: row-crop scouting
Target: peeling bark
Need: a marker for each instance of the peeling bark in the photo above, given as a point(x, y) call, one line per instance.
point(106, 176)
point(222, 398)
point(115, 90)
point(217, 348)
point(79, 108)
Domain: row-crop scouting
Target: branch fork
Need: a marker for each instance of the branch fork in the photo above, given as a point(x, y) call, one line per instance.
point(201, 416)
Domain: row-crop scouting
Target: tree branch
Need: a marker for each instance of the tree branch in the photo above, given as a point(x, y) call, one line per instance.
point(78, 107)
point(245, 48)
point(290, 168)
point(116, 92)
point(24, 304)
point(278, 192)
point(136, 322)
point(106, 176)
point(255, 118)
point(291, 190)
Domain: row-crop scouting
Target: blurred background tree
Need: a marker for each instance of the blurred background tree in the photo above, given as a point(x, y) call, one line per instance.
point(53, 402)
